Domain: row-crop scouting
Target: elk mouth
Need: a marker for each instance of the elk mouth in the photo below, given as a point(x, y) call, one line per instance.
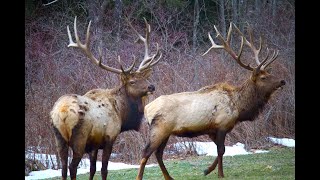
point(281, 84)
point(150, 92)
point(151, 89)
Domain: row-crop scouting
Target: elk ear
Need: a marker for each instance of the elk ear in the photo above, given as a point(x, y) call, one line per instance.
point(254, 75)
point(124, 77)
point(269, 70)
point(146, 72)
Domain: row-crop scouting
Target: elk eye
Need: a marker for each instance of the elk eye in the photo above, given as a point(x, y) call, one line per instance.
point(263, 78)
point(132, 82)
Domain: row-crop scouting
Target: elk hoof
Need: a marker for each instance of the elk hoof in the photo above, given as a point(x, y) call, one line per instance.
point(206, 172)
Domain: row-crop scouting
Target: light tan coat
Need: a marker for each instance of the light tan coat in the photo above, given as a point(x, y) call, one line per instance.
point(96, 116)
point(194, 111)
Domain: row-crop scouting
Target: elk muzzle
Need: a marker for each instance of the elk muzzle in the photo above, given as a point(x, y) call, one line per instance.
point(151, 88)
point(281, 84)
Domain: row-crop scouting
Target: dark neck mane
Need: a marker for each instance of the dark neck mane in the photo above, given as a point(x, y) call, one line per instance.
point(130, 109)
point(249, 100)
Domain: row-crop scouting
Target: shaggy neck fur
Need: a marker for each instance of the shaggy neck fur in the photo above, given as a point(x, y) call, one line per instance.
point(249, 100)
point(130, 109)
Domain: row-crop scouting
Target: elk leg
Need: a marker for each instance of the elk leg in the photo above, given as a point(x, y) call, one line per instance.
point(62, 148)
point(218, 139)
point(215, 162)
point(93, 161)
point(221, 149)
point(105, 159)
point(78, 147)
point(154, 142)
point(159, 153)
point(63, 151)
point(76, 158)
point(145, 156)
point(212, 167)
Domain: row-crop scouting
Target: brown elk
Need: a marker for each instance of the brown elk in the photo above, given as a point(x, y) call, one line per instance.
point(92, 121)
point(212, 110)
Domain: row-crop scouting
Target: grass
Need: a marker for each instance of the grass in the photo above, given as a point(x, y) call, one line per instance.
point(278, 163)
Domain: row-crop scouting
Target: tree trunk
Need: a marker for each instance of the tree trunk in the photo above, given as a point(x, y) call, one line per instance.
point(222, 17)
point(194, 39)
point(222, 24)
point(257, 6)
point(235, 11)
point(242, 14)
point(195, 25)
point(274, 8)
point(96, 15)
point(117, 17)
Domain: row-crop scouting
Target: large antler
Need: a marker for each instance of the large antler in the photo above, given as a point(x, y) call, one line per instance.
point(148, 61)
point(86, 50)
point(226, 46)
point(261, 65)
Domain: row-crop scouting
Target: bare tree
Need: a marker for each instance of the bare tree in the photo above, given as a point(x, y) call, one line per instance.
point(117, 14)
point(196, 13)
point(274, 8)
point(257, 4)
point(235, 10)
point(222, 17)
point(96, 14)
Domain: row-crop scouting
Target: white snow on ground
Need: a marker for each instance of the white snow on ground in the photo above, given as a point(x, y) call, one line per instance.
point(210, 148)
point(202, 148)
point(283, 141)
point(84, 168)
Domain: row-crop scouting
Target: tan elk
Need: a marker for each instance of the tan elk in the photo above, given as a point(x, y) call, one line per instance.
point(92, 121)
point(212, 110)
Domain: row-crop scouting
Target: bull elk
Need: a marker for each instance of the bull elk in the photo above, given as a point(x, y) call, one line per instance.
point(213, 110)
point(89, 122)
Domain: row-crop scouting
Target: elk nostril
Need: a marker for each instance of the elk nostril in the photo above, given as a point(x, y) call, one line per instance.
point(282, 82)
point(151, 88)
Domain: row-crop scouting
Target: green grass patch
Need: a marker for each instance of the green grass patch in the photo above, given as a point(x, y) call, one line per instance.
point(278, 163)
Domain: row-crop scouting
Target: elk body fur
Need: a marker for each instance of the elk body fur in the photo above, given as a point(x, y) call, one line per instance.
point(89, 122)
point(93, 121)
point(92, 115)
point(212, 110)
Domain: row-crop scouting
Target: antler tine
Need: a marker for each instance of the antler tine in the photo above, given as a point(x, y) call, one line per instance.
point(214, 45)
point(156, 61)
point(71, 43)
point(229, 34)
point(250, 44)
point(261, 65)
point(147, 43)
point(274, 57)
point(266, 56)
point(147, 61)
point(129, 68)
point(225, 43)
point(86, 49)
point(150, 62)
point(133, 64)
point(226, 46)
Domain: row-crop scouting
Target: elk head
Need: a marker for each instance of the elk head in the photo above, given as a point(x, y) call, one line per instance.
point(261, 78)
point(134, 81)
